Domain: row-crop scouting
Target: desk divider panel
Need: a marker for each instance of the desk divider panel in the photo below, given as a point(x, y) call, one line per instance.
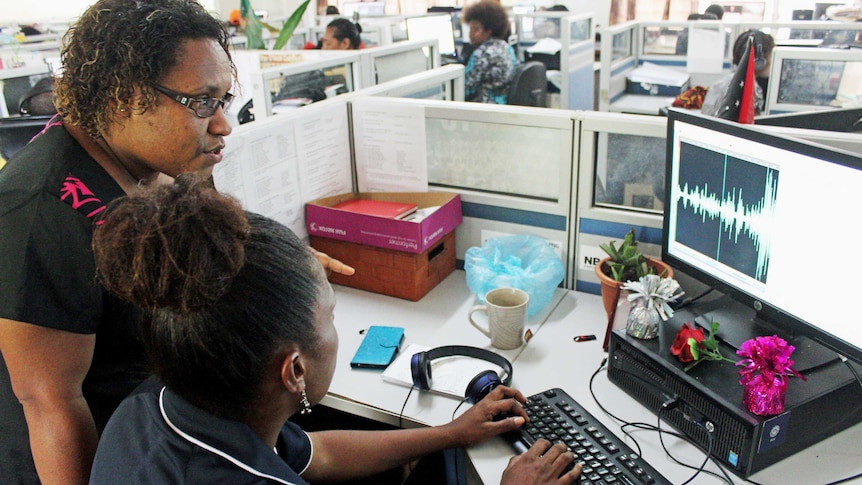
point(394, 61)
point(518, 169)
point(625, 150)
point(512, 165)
point(618, 57)
point(575, 35)
point(346, 63)
point(275, 165)
point(577, 60)
point(443, 83)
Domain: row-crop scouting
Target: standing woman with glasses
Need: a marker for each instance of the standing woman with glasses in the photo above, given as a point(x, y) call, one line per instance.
point(142, 99)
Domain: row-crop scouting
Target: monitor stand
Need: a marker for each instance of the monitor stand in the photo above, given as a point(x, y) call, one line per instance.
point(739, 323)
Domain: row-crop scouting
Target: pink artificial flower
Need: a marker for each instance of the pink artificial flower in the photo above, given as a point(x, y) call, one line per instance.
point(765, 365)
point(768, 355)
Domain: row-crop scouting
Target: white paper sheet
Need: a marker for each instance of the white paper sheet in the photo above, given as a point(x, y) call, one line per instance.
point(705, 50)
point(389, 144)
point(275, 166)
point(450, 376)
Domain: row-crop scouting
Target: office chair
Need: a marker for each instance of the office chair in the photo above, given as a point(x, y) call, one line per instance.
point(17, 131)
point(529, 85)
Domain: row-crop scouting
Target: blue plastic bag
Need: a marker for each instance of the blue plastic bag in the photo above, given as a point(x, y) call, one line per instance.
point(521, 261)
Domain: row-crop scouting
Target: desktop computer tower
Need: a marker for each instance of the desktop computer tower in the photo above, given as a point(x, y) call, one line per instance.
point(710, 394)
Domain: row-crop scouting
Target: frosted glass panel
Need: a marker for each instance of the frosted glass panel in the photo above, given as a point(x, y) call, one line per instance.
point(633, 175)
point(496, 157)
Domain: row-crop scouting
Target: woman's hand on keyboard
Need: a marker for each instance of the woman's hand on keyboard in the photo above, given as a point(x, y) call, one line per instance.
point(542, 464)
point(482, 421)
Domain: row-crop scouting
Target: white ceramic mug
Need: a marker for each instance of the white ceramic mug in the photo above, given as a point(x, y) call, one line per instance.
point(507, 316)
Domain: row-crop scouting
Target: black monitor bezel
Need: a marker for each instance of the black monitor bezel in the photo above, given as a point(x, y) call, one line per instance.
point(766, 311)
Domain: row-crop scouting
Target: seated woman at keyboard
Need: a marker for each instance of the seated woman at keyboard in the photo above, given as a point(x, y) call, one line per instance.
point(239, 327)
point(492, 62)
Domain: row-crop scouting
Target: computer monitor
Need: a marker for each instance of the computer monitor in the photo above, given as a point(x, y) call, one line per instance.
point(805, 79)
point(433, 27)
point(454, 13)
point(763, 219)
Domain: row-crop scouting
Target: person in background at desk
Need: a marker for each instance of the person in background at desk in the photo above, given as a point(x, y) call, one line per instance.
point(341, 34)
point(241, 348)
point(142, 99)
point(492, 62)
point(763, 45)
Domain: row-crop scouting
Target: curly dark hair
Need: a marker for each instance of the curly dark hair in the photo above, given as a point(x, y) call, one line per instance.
point(491, 15)
point(120, 47)
point(222, 290)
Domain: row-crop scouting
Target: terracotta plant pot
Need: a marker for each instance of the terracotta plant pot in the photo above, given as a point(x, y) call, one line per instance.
point(611, 287)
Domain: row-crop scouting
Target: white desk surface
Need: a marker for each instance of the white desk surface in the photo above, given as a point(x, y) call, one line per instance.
point(640, 104)
point(550, 359)
point(440, 318)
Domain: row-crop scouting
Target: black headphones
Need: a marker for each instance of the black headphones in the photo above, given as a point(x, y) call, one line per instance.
point(741, 45)
point(479, 386)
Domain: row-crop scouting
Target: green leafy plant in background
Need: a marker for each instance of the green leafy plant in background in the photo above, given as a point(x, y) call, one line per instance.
point(254, 26)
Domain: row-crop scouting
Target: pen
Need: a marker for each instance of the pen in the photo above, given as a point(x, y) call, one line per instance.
point(584, 338)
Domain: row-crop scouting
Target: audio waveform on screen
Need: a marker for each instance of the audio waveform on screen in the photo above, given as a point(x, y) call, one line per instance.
point(725, 210)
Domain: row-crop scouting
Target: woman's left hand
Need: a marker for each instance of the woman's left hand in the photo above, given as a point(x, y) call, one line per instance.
point(500, 411)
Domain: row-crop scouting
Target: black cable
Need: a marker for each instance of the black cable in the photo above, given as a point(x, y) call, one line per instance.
point(604, 410)
point(691, 301)
point(708, 451)
point(650, 427)
point(854, 477)
point(403, 407)
point(852, 369)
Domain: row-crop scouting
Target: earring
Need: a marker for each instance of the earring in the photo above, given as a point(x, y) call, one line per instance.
point(306, 406)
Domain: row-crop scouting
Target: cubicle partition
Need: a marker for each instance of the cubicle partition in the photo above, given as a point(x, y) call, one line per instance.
point(577, 62)
point(393, 61)
point(566, 45)
point(511, 165)
point(444, 83)
point(331, 71)
point(575, 178)
point(618, 58)
point(701, 48)
point(277, 164)
point(620, 168)
point(809, 33)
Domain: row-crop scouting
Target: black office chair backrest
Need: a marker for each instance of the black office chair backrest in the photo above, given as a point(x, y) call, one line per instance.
point(17, 131)
point(529, 85)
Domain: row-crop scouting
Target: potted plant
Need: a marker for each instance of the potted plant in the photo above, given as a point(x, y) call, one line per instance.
point(623, 264)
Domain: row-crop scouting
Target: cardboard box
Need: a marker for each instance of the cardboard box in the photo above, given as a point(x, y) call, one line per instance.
point(655, 89)
point(322, 220)
point(388, 271)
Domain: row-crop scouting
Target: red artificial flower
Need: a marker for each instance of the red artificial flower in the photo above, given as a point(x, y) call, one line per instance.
point(681, 347)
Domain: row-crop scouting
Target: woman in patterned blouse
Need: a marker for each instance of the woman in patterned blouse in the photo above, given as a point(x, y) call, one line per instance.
point(492, 64)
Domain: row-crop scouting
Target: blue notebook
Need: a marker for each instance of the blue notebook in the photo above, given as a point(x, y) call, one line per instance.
point(378, 348)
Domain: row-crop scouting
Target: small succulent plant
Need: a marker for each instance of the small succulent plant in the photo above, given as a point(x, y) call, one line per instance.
point(627, 262)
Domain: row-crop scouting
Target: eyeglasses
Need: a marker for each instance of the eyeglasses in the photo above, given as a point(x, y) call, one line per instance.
point(204, 107)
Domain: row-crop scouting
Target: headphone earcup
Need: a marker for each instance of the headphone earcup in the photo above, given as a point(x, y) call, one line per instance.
point(420, 370)
point(481, 385)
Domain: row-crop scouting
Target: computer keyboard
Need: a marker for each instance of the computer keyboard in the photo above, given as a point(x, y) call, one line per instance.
point(557, 417)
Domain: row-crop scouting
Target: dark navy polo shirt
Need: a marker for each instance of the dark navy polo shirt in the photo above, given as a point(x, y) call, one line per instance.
point(161, 438)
